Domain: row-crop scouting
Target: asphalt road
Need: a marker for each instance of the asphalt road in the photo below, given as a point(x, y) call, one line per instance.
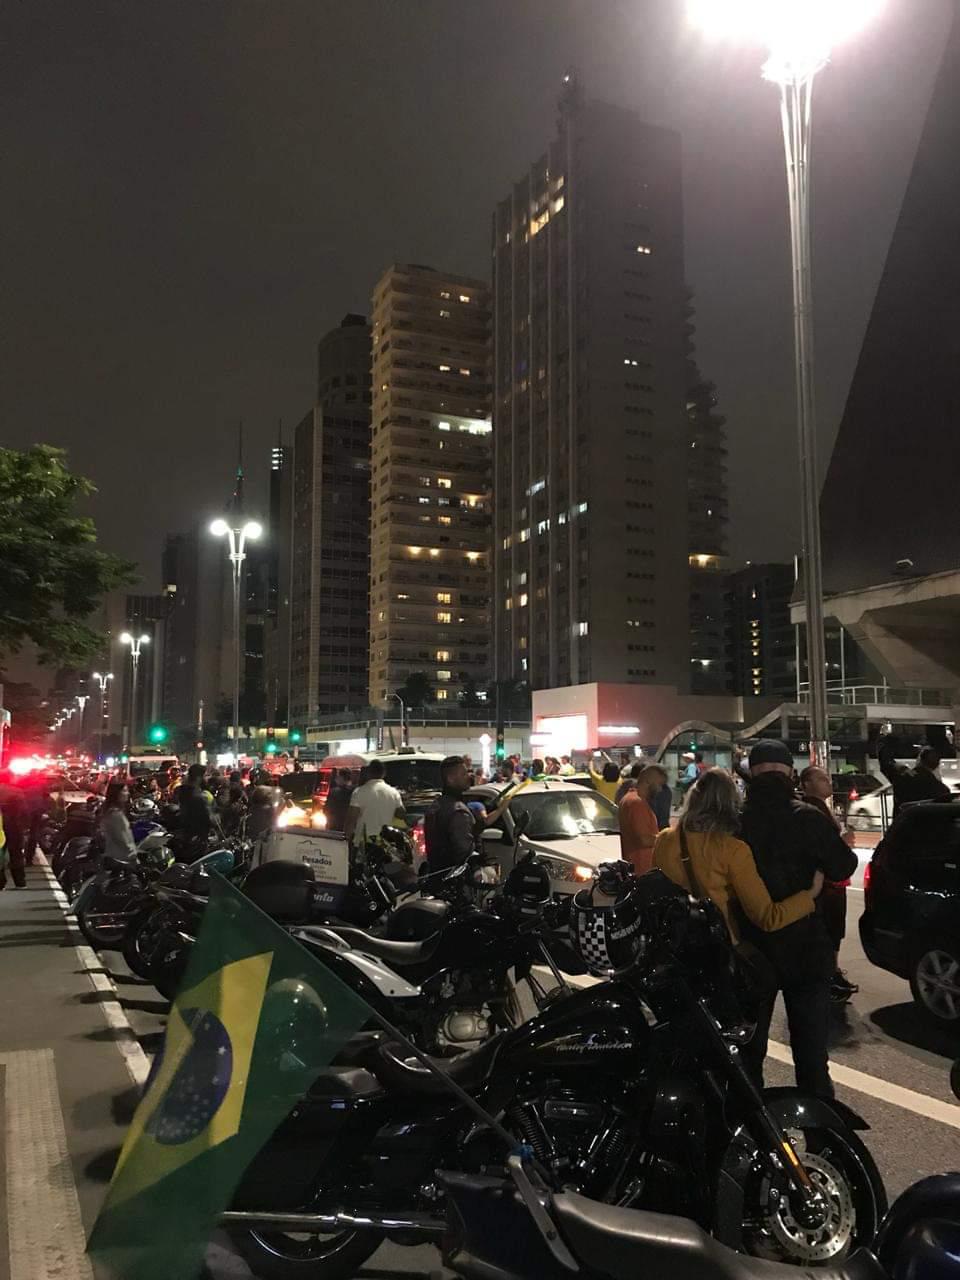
point(880, 1036)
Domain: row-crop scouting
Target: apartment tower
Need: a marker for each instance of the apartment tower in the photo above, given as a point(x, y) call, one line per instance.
point(430, 496)
point(590, 430)
point(330, 532)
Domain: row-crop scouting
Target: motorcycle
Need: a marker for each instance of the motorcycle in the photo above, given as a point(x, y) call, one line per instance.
point(519, 1228)
point(632, 1093)
point(112, 897)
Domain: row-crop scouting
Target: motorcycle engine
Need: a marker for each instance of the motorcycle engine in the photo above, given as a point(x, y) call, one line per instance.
point(579, 1135)
point(461, 1027)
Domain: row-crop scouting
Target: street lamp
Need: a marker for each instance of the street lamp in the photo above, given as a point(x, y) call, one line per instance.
point(237, 536)
point(134, 644)
point(798, 36)
point(102, 682)
point(82, 700)
point(403, 720)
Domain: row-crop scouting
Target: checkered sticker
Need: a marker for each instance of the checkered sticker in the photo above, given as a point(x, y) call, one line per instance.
point(592, 940)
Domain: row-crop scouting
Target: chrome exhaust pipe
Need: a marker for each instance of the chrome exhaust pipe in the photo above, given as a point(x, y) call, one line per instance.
point(427, 1225)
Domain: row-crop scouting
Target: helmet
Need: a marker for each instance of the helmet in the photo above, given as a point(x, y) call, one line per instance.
point(527, 887)
point(145, 826)
point(284, 890)
point(608, 923)
point(153, 851)
point(142, 806)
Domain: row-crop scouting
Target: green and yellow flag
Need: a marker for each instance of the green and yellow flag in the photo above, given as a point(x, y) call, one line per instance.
point(256, 1020)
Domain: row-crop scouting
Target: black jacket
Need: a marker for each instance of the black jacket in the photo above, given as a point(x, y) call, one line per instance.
point(790, 841)
point(448, 830)
point(917, 783)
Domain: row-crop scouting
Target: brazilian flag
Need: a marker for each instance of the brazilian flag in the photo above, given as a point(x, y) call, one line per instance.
point(256, 1020)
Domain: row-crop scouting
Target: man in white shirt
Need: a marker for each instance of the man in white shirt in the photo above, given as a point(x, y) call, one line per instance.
point(373, 806)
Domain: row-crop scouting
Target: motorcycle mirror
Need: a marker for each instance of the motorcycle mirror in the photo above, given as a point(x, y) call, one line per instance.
point(521, 822)
point(955, 1078)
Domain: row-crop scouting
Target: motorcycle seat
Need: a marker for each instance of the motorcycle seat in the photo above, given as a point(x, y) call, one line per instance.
point(398, 955)
point(398, 1071)
point(117, 864)
point(626, 1243)
point(345, 1082)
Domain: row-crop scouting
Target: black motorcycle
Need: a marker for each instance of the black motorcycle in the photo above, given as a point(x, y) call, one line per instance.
point(520, 1228)
point(632, 1093)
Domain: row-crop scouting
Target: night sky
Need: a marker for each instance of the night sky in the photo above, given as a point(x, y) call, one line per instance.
point(195, 190)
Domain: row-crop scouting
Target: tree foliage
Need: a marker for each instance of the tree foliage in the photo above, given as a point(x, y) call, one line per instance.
point(52, 573)
point(416, 690)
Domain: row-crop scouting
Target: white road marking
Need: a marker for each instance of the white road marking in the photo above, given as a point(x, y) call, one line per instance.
point(921, 1104)
point(134, 1057)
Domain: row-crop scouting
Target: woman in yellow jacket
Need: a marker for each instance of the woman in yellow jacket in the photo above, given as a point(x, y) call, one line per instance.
point(723, 867)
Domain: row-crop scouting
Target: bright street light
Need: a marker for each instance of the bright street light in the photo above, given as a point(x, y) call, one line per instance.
point(236, 554)
point(798, 36)
point(134, 645)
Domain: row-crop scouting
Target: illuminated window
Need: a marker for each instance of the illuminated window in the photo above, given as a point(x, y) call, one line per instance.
point(464, 297)
point(443, 655)
point(524, 535)
point(444, 675)
point(444, 615)
point(443, 426)
point(424, 501)
point(558, 204)
point(523, 600)
point(434, 551)
point(444, 597)
point(383, 386)
point(414, 551)
point(444, 483)
point(441, 695)
point(473, 556)
point(444, 520)
point(402, 595)
point(508, 603)
point(444, 315)
point(424, 480)
point(444, 368)
point(644, 248)
point(465, 372)
point(445, 294)
point(582, 628)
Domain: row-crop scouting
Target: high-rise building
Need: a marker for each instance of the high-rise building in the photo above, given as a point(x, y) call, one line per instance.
point(590, 437)
point(707, 519)
point(761, 637)
point(276, 586)
point(330, 532)
point(430, 496)
point(198, 666)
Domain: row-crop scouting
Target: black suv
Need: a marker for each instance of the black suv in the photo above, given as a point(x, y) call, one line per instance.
point(911, 920)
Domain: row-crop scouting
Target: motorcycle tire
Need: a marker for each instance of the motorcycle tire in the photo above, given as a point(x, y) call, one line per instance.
point(138, 944)
point(279, 1255)
point(846, 1172)
point(98, 938)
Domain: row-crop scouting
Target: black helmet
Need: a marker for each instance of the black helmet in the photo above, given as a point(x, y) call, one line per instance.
point(527, 887)
point(284, 890)
point(608, 923)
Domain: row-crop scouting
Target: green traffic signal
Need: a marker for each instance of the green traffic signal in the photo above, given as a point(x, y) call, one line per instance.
point(271, 748)
point(295, 735)
point(158, 733)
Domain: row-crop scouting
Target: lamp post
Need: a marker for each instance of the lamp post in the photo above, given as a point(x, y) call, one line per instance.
point(798, 35)
point(102, 682)
point(236, 554)
point(82, 700)
point(134, 644)
point(403, 721)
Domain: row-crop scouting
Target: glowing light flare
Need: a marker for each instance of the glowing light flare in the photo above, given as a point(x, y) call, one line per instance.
point(21, 765)
point(219, 527)
point(798, 34)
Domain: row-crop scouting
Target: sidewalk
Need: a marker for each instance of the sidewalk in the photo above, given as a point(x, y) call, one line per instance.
point(66, 1093)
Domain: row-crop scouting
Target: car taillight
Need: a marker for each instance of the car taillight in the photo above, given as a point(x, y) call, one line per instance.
point(854, 794)
point(867, 874)
point(419, 840)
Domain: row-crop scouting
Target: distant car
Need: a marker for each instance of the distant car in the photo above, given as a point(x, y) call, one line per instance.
point(911, 920)
point(873, 812)
point(571, 828)
point(852, 786)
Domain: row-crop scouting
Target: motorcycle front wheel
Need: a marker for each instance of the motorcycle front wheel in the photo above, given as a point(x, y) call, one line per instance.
point(140, 942)
point(283, 1255)
point(845, 1174)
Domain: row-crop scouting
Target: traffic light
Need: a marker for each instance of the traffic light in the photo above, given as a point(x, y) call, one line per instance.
point(500, 751)
point(157, 734)
point(271, 748)
point(294, 735)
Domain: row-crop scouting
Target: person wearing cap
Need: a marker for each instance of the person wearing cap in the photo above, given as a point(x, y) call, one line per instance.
point(790, 841)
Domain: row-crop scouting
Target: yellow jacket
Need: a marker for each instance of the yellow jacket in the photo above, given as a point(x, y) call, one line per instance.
point(727, 874)
point(608, 789)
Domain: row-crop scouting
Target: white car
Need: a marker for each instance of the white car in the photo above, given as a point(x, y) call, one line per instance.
point(874, 812)
point(571, 829)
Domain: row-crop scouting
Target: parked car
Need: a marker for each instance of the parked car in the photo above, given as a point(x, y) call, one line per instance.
point(571, 828)
point(911, 920)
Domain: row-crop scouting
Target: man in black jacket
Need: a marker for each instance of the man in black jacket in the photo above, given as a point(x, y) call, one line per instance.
point(790, 842)
point(919, 783)
point(448, 825)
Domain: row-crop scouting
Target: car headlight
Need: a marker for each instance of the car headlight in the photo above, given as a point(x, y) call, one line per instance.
point(319, 819)
point(561, 869)
point(291, 817)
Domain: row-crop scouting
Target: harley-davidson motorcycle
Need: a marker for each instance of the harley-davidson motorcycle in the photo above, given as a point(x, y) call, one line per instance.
point(631, 1093)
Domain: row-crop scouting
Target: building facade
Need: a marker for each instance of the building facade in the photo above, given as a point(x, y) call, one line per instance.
point(330, 532)
point(590, 436)
point(276, 586)
point(761, 637)
point(707, 520)
point(430, 496)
